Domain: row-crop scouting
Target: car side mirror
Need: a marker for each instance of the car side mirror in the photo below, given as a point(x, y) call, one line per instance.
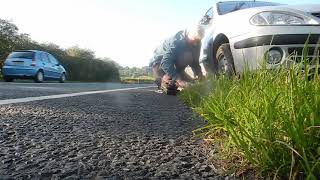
point(205, 20)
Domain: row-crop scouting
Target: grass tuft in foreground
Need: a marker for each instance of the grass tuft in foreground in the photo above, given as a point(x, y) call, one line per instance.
point(268, 120)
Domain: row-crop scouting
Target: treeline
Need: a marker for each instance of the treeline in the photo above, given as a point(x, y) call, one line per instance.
point(80, 64)
point(134, 72)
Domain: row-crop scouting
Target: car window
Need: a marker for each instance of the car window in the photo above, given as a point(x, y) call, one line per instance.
point(210, 13)
point(227, 7)
point(45, 58)
point(52, 59)
point(207, 18)
point(22, 54)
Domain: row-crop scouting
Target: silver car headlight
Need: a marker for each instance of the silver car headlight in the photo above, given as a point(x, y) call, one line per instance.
point(281, 18)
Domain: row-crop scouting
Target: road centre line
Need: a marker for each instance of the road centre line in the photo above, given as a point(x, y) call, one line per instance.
point(40, 98)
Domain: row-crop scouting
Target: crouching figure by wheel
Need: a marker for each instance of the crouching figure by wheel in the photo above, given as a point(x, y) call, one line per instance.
point(173, 56)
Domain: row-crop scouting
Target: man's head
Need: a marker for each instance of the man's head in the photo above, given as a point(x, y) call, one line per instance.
point(195, 34)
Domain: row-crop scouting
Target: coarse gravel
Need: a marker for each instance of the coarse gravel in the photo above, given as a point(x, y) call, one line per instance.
point(137, 134)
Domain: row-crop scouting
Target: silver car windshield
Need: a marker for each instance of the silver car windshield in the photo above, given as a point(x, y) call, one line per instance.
point(231, 6)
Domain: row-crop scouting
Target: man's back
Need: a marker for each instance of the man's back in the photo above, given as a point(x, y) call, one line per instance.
point(176, 42)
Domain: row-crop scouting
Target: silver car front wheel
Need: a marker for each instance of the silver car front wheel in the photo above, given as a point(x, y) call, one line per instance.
point(225, 60)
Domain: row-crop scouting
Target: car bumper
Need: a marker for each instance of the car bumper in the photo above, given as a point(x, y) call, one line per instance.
point(250, 49)
point(14, 71)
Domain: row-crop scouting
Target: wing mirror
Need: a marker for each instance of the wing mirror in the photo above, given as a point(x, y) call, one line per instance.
point(205, 20)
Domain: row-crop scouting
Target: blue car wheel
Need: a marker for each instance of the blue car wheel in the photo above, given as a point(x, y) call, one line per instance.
point(63, 78)
point(8, 79)
point(39, 77)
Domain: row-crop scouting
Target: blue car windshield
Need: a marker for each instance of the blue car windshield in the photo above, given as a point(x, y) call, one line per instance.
point(231, 6)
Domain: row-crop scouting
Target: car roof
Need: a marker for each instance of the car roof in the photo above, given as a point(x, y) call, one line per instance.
point(36, 51)
point(222, 2)
point(243, 1)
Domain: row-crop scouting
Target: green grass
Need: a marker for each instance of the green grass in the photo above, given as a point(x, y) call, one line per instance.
point(137, 80)
point(268, 121)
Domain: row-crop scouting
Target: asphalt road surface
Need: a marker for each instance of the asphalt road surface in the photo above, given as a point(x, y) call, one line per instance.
point(115, 131)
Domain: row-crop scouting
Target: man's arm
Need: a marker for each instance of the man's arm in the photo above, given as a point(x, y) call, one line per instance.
point(195, 66)
point(168, 60)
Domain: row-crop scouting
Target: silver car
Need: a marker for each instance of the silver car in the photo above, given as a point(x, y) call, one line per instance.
point(240, 33)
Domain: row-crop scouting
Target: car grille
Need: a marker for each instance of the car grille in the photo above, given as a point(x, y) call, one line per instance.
point(316, 14)
point(297, 54)
point(299, 51)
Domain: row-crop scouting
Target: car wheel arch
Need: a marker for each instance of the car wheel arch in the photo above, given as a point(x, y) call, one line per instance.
point(216, 42)
point(219, 40)
point(41, 70)
point(63, 77)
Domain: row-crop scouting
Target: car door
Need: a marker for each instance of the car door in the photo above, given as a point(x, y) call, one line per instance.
point(208, 23)
point(56, 69)
point(46, 65)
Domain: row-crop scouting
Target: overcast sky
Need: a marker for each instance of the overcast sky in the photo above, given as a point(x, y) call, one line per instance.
point(125, 30)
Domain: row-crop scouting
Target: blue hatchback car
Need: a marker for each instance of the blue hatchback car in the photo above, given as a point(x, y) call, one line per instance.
point(33, 64)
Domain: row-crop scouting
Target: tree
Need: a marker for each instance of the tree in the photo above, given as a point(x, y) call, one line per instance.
point(74, 59)
point(75, 51)
point(8, 37)
point(134, 71)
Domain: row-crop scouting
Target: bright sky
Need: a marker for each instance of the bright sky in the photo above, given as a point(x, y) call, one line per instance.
point(125, 30)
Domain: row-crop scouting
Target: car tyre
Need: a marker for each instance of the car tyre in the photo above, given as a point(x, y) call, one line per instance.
point(8, 79)
point(39, 78)
point(225, 60)
point(63, 78)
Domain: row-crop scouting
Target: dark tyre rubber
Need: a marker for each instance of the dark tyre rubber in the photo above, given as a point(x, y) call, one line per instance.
point(8, 79)
point(39, 77)
point(225, 60)
point(170, 89)
point(63, 78)
point(171, 92)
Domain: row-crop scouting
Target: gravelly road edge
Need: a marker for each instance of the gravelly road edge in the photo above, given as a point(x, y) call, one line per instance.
point(121, 135)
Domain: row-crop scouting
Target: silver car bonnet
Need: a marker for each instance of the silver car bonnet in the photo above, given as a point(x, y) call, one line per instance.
point(309, 8)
